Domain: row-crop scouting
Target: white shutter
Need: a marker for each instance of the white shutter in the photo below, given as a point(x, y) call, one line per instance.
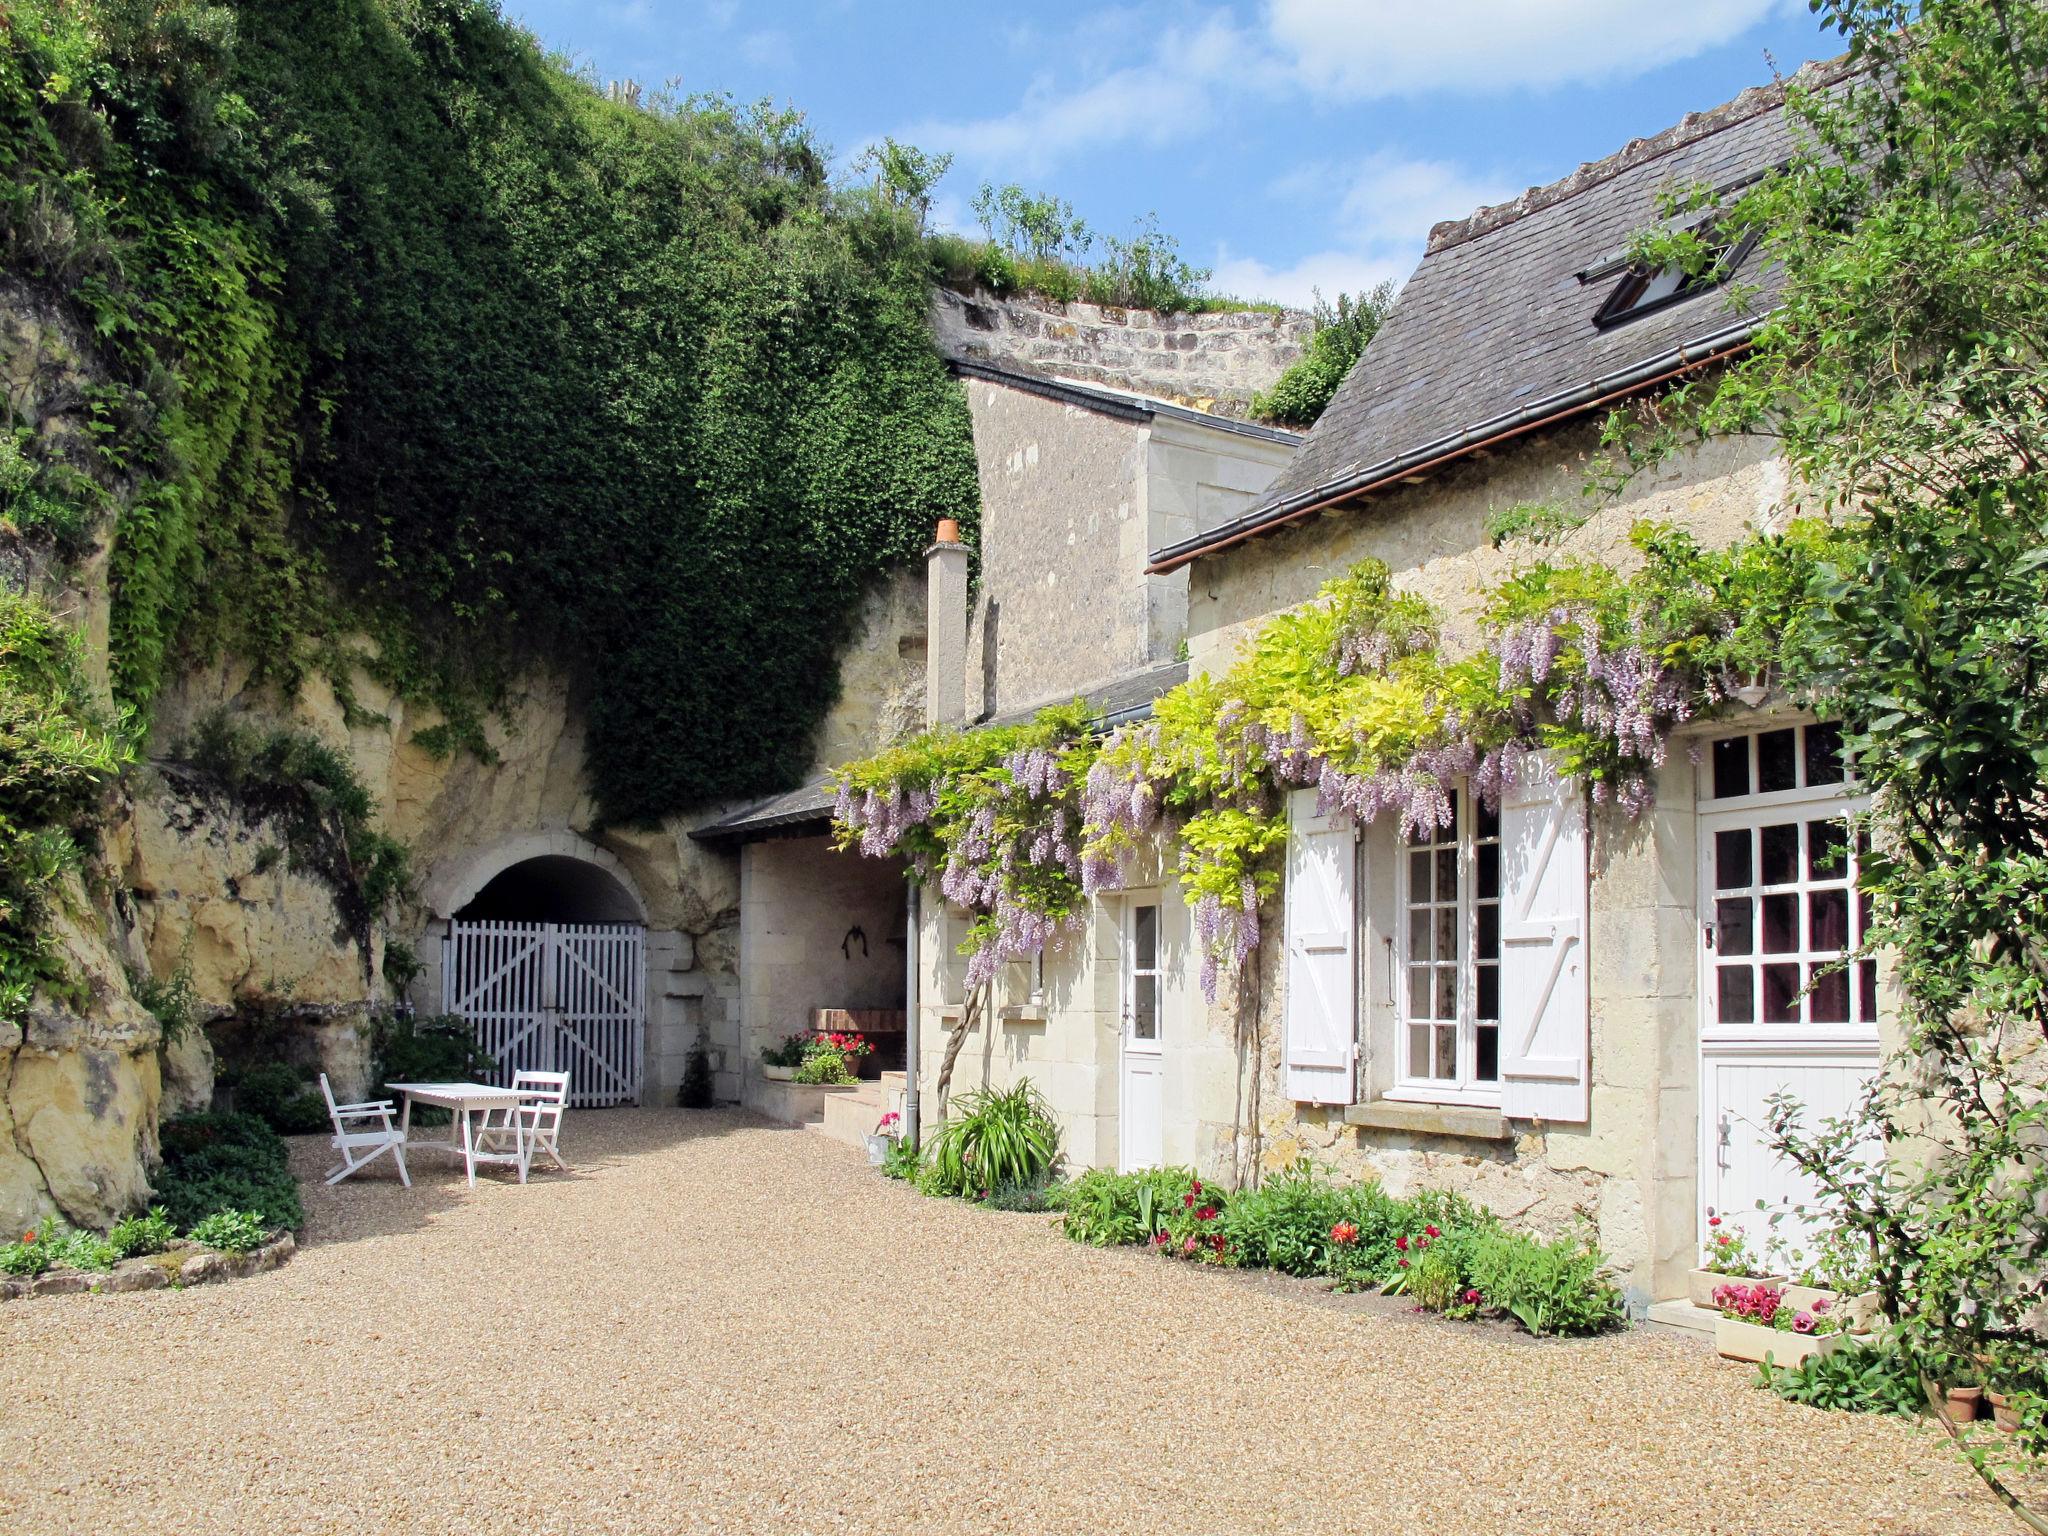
point(1320, 1003)
point(1544, 996)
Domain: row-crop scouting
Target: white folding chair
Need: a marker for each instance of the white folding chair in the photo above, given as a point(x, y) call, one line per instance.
point(359, 1142)
point(534, 1124)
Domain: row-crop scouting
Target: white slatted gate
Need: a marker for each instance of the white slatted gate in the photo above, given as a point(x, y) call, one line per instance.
point(553, 997)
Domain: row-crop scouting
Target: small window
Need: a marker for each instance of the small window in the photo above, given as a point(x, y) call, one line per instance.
point(1450, 958)
point(1644, 290)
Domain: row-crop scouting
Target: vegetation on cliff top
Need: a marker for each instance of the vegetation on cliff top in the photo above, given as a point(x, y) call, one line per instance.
point(403, 331)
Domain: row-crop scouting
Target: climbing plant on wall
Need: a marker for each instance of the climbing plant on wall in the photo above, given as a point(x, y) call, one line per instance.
point(1356, 695)
point(402, 331)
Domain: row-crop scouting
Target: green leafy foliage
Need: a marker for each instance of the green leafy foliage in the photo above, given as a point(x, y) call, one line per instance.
point(437, 1048)
point(823, 1068)
point(28, 1256)
point(134, 1237)
point(1285, 1223)
point(406, 332)
point(279, 1096)
point(1857, 1378)
point(58, 753)
point(232, 1162)
point(230, 1231)
point(1107, 1209)
point(996, 1139)
point(1342, 330)
point(902, 1160)
point(1554, 1287)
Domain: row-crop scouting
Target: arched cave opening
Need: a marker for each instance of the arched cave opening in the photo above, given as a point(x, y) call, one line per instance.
point(553, 888)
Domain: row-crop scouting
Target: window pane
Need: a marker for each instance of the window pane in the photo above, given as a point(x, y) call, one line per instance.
point(1780, 847)
point(1866, 990)
point(1862, 918)
point(1731, 860)
point(1446, 992)
point(1781, 994)
point(1487, 1069)
point(1736, 988)
point(1731, 767)
point(1447, 874)
point(1488, 1005)
point(1781, 924)
point(1486, 940)
point(1824, 754)
point(1733, 927)
point(1776, 766)
point(1828, 1003)
point(1488, 871)
point(1485, 823)
point(1827, 921)
point(1447, 933)
point(1418, 991)
point(1827, 850)
point(1145, 1007)
point(1418, 1050)
point(1145, 937)
point(1418, 933)
point(1446, 1051)
point(1418, 877)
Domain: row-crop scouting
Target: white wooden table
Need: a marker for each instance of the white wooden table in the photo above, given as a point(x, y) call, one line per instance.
point(462, 1100)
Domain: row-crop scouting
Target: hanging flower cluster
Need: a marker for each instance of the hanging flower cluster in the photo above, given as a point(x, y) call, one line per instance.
point(1352, 695)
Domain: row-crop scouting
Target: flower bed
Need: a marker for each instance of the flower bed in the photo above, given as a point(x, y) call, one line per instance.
point(183, 1262)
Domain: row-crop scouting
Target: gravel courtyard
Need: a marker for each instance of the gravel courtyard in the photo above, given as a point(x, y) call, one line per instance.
point(715, 1325)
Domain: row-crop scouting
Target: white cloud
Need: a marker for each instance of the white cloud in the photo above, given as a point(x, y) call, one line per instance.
point(1369, 48)
point(1379, 215)
point(768, 50)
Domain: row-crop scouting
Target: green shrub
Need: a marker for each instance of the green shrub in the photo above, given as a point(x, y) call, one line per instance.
point(440, 1048)
point(1106, 1209)
point(1285, 1223)
point(86, 1250)
point(1555, 1287)
point(135, 1236)
point(1006, 1138)
point(824, 1068)
point(278, 1095)
point(901, 1161)
point(27, 1258)
point(1364, 1257)
point(230, 1231)
point(1299, 395)
point(1871, 1378)
point(218, 1163)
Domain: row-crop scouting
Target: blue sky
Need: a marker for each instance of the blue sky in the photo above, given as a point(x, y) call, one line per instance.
point(1289, 144)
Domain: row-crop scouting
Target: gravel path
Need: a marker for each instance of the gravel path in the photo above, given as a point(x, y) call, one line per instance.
point(718, 1326)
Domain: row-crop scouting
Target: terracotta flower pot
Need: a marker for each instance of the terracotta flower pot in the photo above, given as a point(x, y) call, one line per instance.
point(2003, 1414)
point(1964, 1403)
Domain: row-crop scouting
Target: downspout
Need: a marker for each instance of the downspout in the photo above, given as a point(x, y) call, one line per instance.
point(910, 1011)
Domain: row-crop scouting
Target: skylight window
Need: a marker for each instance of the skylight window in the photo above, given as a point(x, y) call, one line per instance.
point(1644, 290)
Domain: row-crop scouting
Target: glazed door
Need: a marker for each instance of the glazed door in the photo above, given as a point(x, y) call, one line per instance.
point(1141, 1119)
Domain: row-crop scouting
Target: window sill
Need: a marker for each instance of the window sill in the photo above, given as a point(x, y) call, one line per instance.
point(1430, 1119)
point(1023, 1015)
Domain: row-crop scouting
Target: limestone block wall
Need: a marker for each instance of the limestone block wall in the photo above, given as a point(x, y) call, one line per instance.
point(1213, 362)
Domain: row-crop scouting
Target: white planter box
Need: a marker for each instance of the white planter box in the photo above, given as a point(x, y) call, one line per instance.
point(1737, 1340)
point(778, 1074)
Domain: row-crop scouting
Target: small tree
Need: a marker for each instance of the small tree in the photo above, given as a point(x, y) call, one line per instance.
point(904, 176)
point(1042, 227)
point(1342, 330)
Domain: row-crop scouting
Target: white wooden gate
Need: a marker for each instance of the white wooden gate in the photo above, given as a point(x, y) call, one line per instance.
point(553, 997)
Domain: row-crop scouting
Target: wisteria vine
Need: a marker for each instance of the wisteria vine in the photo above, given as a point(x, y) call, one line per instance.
point(1354, 695)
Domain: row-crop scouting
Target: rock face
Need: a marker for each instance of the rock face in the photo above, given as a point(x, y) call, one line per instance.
point(1213, 362)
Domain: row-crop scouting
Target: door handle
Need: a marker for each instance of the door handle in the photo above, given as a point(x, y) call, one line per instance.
point(1727, 1131)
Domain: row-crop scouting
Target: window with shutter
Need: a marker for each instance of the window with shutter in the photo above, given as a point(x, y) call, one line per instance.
point(1544, 983)
point(1319, 1012)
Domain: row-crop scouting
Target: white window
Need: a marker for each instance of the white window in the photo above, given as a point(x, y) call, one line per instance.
point(1448, 993)
point(1783, 912)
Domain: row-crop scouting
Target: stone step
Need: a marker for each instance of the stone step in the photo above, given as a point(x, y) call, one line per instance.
point(851, 1117)
point(1681, 1316)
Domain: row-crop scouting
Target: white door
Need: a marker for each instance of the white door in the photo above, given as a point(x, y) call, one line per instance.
point(1782, 1011)
point(553, 997)
point(1141, 1110)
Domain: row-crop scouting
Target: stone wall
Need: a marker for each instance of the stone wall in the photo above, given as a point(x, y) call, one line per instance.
point(1213, 362)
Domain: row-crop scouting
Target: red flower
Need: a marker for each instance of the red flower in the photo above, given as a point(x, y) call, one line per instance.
point(1432, 1231)
point(1188, 1201)
point(1159, 1239)
point(1216, 1242)
point(1471, 1298)
point(1402, 1262)
point(1401, 1243)
point(1713, 1221)
point(1344, 1232)
point(1196, 1186)
point(1206, 1213)
point(27, 1238)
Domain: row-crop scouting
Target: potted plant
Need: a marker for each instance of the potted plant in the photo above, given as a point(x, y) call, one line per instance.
point(1840, 1274)
point(882, 1139)
point(1755, 1324)
point(1726, 1256)
point(780, 1060)
point(851, 1048)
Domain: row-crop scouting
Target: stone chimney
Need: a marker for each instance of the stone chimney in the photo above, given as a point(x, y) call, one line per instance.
point(945, 619)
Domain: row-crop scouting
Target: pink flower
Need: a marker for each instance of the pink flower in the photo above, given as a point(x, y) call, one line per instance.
point(1188, 1246)
point(1820, 1303)
point(1803, 1323)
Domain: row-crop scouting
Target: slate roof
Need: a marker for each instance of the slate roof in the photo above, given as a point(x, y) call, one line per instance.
point(807, 810)
point(1124, 404)
point(1493, 335)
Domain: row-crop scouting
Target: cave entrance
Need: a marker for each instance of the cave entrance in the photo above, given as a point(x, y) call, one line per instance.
point(547, 962)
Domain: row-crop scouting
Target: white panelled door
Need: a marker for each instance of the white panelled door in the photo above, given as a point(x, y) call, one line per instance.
point(1141, 1099)
point(1784, 1009)
point(553, 997)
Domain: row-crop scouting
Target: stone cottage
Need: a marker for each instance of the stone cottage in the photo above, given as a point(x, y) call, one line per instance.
point(1558, 1010)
